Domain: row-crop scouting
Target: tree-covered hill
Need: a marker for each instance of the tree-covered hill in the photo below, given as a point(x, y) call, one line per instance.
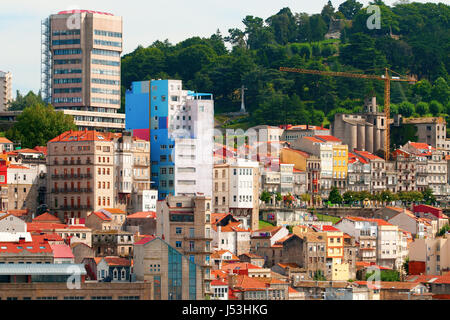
point(414, 38)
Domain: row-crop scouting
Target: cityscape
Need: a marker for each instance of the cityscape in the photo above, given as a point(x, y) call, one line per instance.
point(274, 162)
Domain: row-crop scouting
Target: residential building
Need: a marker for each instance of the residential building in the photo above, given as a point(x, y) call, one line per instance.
point(435, 253)
point(106, 219)
point(141, 223)
point(267, 141)
point(377, 168)
point(80, 173)
point(173, 276)
point(292, 133)
point(5, 90)
point(324, 151)
point(113, 268)
point(231, 236)
point(185, 223)
point(71, 233)
point(81, 67)
point(358, 173)
point(433, 213)
point(243, 287)
point(219, 257)
point(418, 227)
point(236, 190)
point(219, 289)
point(181, 134)
point(62, 253)
point(430, 130)
point(112, 243)
point(50, 282)
point(435, 170)
point(252, 258)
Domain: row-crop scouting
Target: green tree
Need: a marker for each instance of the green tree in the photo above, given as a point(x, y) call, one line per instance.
point(327, 12)
point(444, 230)
point(428, 196)
point(349, 8)
point(387, 196)
point(284, 26)
point(406, 265)
point(441, 90)
point(318, 27)
point(436, 107)
point(318, 276)
point(21, 102)
point(38, 124)
point(422, 108)
point(305, 197)
point(265, 196)
point(335, 196)
point(349, 197)
point(422, 89)
point(278, 197)
point(406, 109)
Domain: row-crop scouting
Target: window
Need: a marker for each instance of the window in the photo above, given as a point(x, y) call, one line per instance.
point(178, 244)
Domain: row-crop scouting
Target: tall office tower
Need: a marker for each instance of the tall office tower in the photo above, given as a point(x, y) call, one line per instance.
point(5, 90)
point(81, 67)
point(181, 126)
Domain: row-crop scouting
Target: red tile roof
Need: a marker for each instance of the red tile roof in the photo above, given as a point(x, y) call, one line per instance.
point(41, 149)
point(70, 136)
point(145, 240)
point(313, 139)
point(5, 140)
point(46, 217)
point(114, 211)
point(329, 138)
point(367, 155)
point(62, 251)
point(142, 215)
point(229, 267)
point(419, 145)
point(100, 215)
point(34, 246)
point(15, 166)
point(217, 283)
point(117, 261)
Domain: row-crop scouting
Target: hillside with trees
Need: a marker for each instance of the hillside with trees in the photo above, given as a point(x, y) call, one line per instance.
point(414, 38)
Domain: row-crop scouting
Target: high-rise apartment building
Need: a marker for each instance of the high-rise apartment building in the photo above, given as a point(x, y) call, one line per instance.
point(181, 126)
point(80, 166)
point(5, 90)
point(81, 67)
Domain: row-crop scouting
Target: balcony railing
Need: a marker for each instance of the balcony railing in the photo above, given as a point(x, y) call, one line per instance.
point(72, 176)
point(75, 207)
point(72, 190)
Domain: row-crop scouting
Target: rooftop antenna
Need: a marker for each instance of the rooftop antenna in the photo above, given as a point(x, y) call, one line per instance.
point(243, 88)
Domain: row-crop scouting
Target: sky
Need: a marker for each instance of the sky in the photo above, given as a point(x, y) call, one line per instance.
point(143, 23)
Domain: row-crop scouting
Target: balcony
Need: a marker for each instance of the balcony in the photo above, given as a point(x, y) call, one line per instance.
point(75, 207)
point(194, 237)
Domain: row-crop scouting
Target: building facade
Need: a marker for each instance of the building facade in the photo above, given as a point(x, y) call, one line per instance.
point(81, 67)
point(5, 90)
point(181, 134)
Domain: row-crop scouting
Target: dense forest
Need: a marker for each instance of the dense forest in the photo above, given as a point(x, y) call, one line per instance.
point(414, 39)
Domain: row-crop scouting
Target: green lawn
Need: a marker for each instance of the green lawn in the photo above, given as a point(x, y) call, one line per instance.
point(264, 224)
point(323, 217)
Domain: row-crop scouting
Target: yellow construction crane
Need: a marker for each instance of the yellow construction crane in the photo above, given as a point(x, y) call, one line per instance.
point(387, 90)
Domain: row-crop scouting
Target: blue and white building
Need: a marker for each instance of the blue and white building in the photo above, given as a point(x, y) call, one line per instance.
point(181, 125)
